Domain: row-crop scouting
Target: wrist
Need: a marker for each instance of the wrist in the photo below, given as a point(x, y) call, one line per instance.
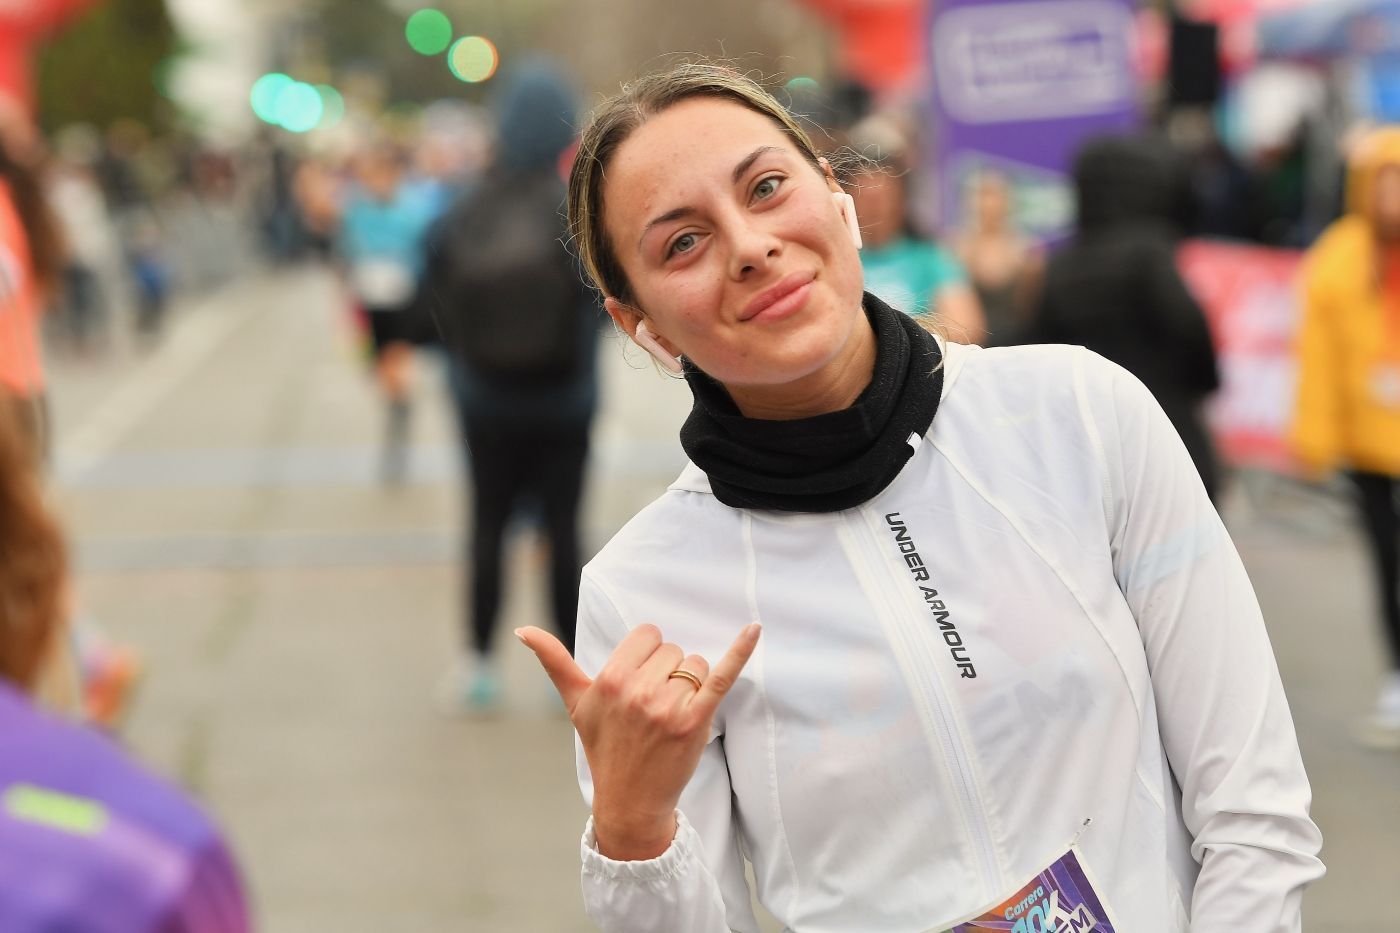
point(633, 841)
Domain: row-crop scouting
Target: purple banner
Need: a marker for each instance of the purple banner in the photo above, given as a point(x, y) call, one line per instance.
point(1017, 88)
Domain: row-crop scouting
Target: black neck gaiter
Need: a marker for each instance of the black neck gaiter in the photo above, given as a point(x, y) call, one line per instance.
point(827, 462)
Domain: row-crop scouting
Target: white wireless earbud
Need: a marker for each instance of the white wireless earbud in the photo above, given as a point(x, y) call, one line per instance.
point(846, 205)
point(645, 339)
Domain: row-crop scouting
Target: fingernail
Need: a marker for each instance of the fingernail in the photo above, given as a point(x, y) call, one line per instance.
point(520, 634)
point(753, 630)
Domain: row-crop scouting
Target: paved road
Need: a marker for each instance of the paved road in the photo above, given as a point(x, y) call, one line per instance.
point(295, 617)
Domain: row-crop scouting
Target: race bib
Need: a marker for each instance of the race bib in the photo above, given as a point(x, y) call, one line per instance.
point(382, 283)
point(1059, 899)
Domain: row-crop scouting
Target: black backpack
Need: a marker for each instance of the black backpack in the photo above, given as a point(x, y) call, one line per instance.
point(504, 287)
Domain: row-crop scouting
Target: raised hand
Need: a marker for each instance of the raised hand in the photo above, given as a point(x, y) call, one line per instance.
point(643, 728)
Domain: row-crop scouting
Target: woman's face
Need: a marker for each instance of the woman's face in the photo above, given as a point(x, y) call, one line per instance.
point(733, 245)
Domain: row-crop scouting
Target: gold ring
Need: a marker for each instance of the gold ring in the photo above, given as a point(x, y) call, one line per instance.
point(680, 672)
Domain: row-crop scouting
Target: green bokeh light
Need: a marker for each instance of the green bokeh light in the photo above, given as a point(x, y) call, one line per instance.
point(473, 59)
point(299, 107)
point(802, 84)
point(428, 32)
point(267, 91)
point(332, 105)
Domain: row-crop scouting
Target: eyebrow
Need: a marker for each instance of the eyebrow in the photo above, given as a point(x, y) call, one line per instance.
point(747, 162)
point(744, 165)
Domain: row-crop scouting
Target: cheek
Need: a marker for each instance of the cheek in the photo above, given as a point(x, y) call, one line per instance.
point(685, 303)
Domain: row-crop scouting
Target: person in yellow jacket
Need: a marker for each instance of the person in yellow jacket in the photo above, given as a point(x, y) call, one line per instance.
point(1348, 402)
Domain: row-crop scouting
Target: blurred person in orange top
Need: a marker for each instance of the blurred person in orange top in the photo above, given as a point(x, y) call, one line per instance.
point(1348, 399)
point(32, 255)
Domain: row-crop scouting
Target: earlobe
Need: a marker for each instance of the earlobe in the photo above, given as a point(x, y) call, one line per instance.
point(846, 206)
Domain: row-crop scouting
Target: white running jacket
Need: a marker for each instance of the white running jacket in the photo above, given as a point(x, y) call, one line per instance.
point(1038, 639)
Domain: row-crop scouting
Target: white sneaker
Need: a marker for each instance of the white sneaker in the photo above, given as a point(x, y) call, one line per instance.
point(1381, 729)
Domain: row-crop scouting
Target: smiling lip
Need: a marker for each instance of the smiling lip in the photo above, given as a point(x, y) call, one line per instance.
point(782, 299)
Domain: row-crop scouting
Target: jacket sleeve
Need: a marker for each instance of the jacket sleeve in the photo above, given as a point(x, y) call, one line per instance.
point(698, 884)
point(1224, 720)
point(1316, 429)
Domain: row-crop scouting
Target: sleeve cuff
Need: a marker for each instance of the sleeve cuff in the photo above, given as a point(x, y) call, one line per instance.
point(674, 861)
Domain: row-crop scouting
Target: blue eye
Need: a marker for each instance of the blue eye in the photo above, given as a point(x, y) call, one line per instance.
point(682, 244)
point(767, 187)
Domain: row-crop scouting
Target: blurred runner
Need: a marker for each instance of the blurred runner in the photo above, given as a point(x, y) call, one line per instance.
point(381, 239)
point(32, 254)
point(904, 268)
point(88, 840)
point(1115, 287)
point(317, 190)
point(1348, 410)
point(1005, 267)
point(521, 330)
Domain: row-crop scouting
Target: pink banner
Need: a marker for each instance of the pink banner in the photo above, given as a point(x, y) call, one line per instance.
point(1250, 295)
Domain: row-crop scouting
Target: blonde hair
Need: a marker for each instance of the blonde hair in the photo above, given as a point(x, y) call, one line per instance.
point(619, 117)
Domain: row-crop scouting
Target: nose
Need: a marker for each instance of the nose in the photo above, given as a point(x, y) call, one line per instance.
point(752, 248)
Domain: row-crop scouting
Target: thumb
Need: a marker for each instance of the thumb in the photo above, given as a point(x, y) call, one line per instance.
point(569, 679)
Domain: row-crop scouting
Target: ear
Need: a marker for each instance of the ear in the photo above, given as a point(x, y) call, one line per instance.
point(829, 174)
point(624, 315)
point(628, 319)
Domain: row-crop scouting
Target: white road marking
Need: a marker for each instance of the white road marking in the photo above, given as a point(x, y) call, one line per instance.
point(202, 330)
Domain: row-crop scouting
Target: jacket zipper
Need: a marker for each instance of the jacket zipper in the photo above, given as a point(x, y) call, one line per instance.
point(933, 696)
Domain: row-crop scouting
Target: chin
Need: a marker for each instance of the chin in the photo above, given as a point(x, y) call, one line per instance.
point(787, 360)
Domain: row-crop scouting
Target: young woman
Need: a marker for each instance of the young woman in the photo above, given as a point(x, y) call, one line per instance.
point(88, 840)
point(1011, 670)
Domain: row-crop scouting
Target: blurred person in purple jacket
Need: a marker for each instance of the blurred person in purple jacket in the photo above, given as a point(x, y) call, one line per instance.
point(89, 841)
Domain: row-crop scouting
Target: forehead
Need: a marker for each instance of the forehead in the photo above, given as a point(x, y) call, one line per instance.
point(682, 150)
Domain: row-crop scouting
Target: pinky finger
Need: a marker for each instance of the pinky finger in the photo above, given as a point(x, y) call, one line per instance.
point(726, 672)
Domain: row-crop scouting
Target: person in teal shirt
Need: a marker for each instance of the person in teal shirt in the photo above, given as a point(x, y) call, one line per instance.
point(905, 270)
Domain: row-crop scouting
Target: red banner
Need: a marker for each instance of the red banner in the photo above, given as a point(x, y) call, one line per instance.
point(881, 40)
point(1250, 295)
point(23, 25)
